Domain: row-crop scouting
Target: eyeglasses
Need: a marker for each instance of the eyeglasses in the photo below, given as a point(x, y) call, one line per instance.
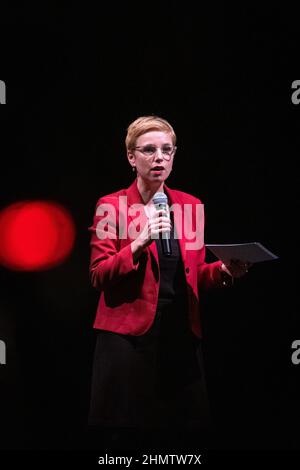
point(149, 150)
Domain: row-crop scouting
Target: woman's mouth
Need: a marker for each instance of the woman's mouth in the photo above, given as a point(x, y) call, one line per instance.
point(157, 169)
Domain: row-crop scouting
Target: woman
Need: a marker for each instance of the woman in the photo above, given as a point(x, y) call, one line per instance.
point(148, 375)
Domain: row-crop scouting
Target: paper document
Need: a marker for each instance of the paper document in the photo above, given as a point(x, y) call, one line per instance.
point(253, 252)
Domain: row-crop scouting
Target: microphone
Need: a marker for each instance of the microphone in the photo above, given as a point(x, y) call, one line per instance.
point(160, 201)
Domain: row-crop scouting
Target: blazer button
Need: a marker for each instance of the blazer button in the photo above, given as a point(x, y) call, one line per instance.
point(187, 270)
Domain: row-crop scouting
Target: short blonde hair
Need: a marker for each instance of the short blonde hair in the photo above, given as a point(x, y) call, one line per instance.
point(145, 124)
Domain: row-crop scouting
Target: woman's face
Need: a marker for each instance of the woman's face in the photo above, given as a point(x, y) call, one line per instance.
point(153, 156)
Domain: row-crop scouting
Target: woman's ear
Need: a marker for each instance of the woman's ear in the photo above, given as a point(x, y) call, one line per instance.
point(131, 158)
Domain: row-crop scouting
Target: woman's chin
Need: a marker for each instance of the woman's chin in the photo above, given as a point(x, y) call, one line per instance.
point(152, 179)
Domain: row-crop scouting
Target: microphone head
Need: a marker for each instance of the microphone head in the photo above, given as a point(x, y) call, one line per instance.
point(160, 198)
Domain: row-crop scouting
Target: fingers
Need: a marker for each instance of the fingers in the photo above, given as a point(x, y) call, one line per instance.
point(160, 221)
point(159, 225)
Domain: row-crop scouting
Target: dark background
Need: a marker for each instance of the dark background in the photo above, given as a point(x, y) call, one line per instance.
point(222, 76)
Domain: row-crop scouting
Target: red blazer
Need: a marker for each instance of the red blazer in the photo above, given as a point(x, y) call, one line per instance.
point(128, 291)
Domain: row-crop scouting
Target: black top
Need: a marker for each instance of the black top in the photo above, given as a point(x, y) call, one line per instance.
point(155, 379)
point(172, 286)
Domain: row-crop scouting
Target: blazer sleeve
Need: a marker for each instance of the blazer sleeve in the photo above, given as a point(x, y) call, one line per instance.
point(210, 274)
point(108, 263)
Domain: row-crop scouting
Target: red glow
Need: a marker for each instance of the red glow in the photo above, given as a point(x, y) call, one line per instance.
point(35, 235)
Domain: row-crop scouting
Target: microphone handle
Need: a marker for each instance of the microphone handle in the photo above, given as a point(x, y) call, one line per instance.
point(166, 246)
point(165, 237)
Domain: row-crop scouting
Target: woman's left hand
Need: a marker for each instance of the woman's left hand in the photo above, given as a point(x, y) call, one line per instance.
point(236, 268)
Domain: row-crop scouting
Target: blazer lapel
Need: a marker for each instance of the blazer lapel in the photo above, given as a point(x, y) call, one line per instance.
point(134, 197)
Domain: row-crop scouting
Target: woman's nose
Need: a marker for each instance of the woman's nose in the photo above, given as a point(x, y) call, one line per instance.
point(159, 155)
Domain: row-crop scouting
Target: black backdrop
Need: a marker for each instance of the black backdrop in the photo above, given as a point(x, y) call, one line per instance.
point(222, 76)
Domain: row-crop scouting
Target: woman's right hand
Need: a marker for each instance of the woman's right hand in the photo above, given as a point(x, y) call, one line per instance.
point(158, 222)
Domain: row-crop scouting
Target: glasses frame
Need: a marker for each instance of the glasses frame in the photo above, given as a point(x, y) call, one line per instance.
point(157, 148)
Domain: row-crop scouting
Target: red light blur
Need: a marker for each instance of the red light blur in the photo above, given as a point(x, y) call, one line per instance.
point(35, 235)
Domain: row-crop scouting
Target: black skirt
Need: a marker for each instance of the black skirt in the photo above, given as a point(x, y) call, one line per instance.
point(155, 380)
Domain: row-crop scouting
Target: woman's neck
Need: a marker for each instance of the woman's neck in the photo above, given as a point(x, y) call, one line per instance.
point(147, 191)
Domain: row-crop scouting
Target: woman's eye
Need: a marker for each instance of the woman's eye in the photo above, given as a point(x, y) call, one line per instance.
point(149, 150)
